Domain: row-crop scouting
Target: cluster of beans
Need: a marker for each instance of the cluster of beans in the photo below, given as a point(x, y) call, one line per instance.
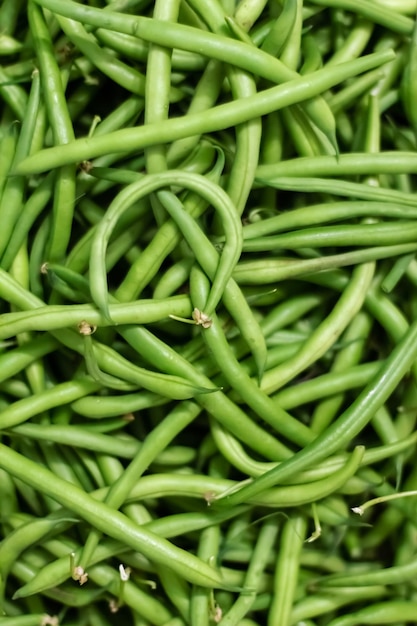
point(208, 230)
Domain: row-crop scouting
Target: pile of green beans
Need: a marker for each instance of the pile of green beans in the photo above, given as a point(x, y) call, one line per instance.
point(208, 335)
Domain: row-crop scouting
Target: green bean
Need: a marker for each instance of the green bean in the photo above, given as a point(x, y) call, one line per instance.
point(222, 116)
point(323, 604)
point(19, 358)
point(341, 188)
point(7, 154)
point(9, 13)
point(106, 357)
point(20, 539)
point(348, 96)
point(119, 72)
point(56, 572)
point(248, 138)
point(407, 84)
point(355, 43)
point(382, 234)
point(61, 124)
point(111, 522)
point(216, 490)
point(205, 96)
point(158, 83)
point(349, 356)
point(217, 343)
point(106, 380)
point(344, 165)
point(177, 590)
point(172, 280)
point(180, 416)
point(375, 13)
point(97, 407)
point(201, 602)
point(273, 270)
point(260, 556)
point(322, 213)
point(317, 108)
point(287, 570)
point(53, 317)
point(62, 393)
point(382, 613)
point(388, 576)
point(230, 253)
point(324, 336)
point(219, 405)
point(151, 183)
point(248, 135)
point(13, 192)
point(234, 301)
point(290, 53)
point(106, 577)
point(13, 95)
point(281, 29)
point(349, 423)
point(28, 620)
point(136, 49)
point(33, 207)
point(77, 436)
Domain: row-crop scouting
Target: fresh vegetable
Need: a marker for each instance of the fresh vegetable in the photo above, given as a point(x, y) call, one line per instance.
point(208, 358)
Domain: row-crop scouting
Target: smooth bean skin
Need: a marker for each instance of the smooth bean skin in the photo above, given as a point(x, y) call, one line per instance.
point(217, 118)
point(325, 213)
point(347, 425)
point(111, 522)
point(135, 191)
point(229, 366)
point(322, 604)
point(260, 556)
point(26, 620)
point(389, 612)
point(62, 129)
point(274, 270)
point(325, 335)
point(287, 570)
point(377, 13)
point(329, 236)
point(63, 393)
point(279, 497)
point(52, 317)
point(344, 165)
point(339, 187)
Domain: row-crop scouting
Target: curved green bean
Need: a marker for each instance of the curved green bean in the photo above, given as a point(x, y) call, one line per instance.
point(200, 185)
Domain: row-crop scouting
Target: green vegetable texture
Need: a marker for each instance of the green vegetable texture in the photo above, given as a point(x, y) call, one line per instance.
point(208, 336)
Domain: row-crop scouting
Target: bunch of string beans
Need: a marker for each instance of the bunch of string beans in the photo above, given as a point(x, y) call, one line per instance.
point(208, 365)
